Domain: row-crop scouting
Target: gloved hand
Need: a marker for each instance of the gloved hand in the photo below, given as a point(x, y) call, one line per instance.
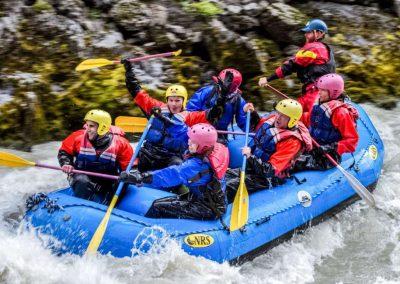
point(224, 86)
point(134, 177)
point(132, 83)
point(156, 111)
point(328, 148)
point(127, 64)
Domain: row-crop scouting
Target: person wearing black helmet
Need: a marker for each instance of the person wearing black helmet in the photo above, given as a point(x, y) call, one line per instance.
point(312, 61)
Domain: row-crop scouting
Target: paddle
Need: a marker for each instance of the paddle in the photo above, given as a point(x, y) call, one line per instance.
point(100, 62)
point(240, 208)
point(101, 229)
point(13, 161)
point(354, 183)
point(132, 124)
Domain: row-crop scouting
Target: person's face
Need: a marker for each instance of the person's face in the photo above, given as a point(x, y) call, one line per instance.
point(192, 147)
point(91, 129)
point(312, 36)
point(175, 104)
point(323, 95)
point(282, 120)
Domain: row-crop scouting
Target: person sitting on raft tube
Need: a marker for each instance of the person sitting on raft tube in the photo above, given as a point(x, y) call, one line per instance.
point(202, 171)
point(312, 61)
point(279, 140)
point(332, 123)
point(99, 147)
point(206, 97)
point(167, 139)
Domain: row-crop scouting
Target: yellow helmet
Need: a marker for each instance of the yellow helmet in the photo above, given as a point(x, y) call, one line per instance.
point(177, 91)
point(292, 109)
point(102, 118)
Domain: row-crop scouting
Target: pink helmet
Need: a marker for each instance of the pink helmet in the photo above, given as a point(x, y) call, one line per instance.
point(237, 78)
point(204, 135)
point(333, 83)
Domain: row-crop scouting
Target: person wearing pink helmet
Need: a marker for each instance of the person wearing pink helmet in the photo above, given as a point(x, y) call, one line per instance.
point(226, 85)
point(332, 123)
point(202, 172)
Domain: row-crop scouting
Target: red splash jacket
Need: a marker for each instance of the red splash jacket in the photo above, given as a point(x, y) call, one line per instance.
point(146, 103)
point(116, 156)
point(333, 121)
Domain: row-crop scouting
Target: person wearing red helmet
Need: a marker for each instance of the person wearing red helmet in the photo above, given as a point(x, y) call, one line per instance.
point(332, 123)
point(203, 172)
point(312, 61)
point(226, 85)
point(167, 139)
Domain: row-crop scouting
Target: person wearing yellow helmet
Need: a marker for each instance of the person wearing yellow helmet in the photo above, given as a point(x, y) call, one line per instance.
point(98, 147)
point(280, 137)
point(167, 139)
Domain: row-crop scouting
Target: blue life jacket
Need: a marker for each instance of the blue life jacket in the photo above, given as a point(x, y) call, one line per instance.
point(206, 97)
point(196, 172)
point(170, 136)
point(321, 127)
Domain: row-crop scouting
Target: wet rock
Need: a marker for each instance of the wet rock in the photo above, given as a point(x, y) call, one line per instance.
point(282, 22)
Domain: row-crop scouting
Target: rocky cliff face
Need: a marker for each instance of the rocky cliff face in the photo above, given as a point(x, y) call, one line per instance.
point(42, 41)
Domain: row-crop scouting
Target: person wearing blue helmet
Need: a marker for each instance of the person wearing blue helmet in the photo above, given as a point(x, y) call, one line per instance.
point(312, 61)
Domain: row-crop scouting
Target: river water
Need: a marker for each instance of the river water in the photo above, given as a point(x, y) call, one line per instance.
point(359, 245)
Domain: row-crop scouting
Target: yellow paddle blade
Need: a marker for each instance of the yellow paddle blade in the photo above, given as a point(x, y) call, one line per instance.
point(101, 229)
point(131, 123)
point(178, 52)
point(240, 208)
point(93, 63)
point(10, 160)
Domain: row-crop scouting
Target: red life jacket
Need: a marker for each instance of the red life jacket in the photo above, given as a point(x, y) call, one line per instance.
point(219, 160)
point(104, 162)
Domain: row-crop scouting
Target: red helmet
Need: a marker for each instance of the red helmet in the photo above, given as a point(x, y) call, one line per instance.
point(333, 83)
point(237, 78)
point(204, 135)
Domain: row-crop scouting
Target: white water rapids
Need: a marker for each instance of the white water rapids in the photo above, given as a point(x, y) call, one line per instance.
point(359, 245)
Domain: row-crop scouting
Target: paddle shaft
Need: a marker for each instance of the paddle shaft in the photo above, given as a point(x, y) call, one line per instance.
point(234, 133)
point(246, 140)
point(146, 57)
point(101, 229)
point(240, 207)
point(77, 171)
point(134, 156)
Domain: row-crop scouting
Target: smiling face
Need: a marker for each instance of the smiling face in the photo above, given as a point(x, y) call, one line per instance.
point(281, 120)
point(175, 104)
point(91, 129)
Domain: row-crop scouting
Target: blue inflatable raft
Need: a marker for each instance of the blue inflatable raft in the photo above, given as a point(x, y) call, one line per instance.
point(274, 215)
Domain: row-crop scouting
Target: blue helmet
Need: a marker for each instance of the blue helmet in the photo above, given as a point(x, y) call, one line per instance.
point(315, 25)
